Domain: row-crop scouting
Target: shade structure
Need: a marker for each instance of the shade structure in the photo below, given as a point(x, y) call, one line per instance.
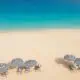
point(30, 63)
point(3, 67)
point(69, 57)
point(77, 61)
point(17, 62)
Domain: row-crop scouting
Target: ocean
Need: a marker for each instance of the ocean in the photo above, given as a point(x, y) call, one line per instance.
point(33, 14)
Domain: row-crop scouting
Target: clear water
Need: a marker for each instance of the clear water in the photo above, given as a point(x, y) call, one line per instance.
point(25, 14)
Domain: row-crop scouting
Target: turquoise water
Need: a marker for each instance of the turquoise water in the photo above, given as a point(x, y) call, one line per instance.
point(31, 14)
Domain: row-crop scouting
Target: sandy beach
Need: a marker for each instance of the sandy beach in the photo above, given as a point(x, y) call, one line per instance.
point(44, 46)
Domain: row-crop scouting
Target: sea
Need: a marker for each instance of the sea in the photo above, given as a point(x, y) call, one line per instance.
point(39, 14)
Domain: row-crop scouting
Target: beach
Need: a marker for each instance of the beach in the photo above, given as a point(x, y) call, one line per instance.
point(44, 46)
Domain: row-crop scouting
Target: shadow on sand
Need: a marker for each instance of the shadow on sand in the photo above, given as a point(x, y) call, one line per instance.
point(65, 64)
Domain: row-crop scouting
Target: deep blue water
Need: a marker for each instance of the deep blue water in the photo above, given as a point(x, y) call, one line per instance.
point(39, 13)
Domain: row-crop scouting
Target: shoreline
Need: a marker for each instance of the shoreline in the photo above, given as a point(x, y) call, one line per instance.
point(40, 30)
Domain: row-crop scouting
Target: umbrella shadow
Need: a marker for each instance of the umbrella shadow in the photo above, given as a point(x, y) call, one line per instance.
point(64, 63)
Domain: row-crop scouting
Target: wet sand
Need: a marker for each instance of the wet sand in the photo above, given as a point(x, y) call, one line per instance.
point(43, 45)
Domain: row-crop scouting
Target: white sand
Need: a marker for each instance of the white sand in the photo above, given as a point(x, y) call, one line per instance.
point(44, 46)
